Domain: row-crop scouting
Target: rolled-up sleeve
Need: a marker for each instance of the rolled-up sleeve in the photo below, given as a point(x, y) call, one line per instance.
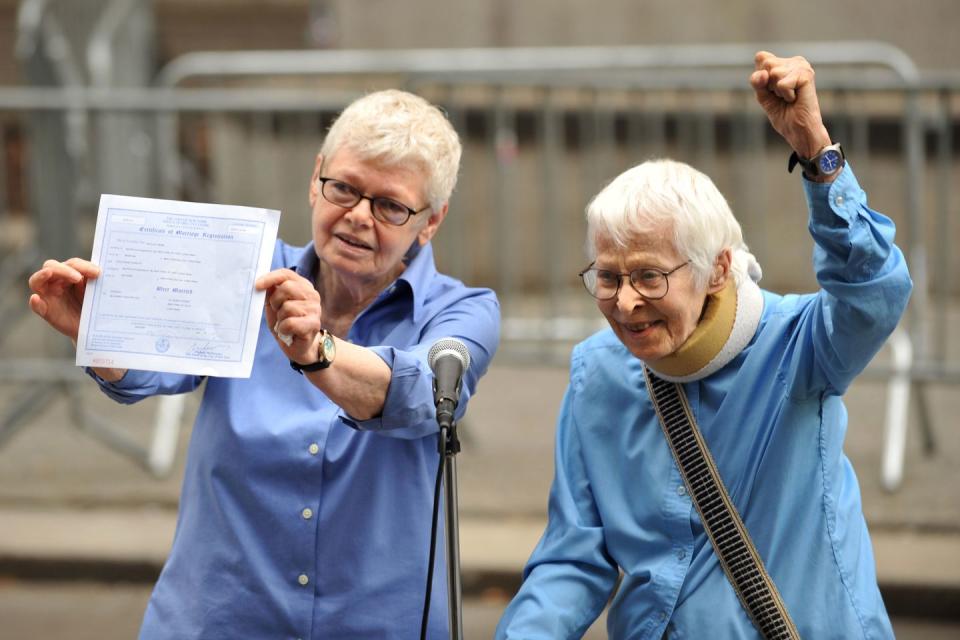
point(408, 410)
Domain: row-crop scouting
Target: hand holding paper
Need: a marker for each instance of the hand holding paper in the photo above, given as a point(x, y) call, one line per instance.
point(58, 290)
point(294, 311)
point(176, 290)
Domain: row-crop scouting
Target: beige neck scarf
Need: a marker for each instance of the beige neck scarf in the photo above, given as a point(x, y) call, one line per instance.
point(730, 319)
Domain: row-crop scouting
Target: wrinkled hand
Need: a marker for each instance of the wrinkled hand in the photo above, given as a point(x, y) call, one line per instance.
point(58, 289)
point(785, 89)
point(294, 313)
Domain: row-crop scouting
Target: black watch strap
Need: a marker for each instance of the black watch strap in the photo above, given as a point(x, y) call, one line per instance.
point(808, 167)
point(319, 365)
point(328, 351)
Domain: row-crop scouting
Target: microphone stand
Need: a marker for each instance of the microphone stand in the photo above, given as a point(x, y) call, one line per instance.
point(449, 447)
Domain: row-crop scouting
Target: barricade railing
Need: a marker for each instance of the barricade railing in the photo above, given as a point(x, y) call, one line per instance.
point(543, 130)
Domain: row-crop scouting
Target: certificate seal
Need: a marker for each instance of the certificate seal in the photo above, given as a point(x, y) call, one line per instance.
point(162, 345)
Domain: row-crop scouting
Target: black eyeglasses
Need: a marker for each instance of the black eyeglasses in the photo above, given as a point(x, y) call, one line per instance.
point(650, 283)
point(384, 209)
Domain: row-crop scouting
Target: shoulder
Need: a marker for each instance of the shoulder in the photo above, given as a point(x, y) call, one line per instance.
point(443, 294)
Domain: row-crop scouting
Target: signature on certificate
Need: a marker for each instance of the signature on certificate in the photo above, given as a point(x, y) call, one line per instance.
point(207, 351)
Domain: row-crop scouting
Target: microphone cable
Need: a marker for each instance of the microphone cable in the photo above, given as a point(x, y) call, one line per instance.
point(433, 548)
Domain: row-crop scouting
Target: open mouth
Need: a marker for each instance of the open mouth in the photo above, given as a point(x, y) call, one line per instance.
point(639, 328)
point(353, 242)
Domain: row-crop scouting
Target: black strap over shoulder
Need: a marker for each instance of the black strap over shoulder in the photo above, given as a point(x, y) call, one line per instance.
point(731, 541)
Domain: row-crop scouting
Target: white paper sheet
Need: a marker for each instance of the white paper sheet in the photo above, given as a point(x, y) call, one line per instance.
point(176, 289)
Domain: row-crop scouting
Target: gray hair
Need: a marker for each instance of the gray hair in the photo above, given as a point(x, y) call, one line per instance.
point(395, 128)
point(668, 194)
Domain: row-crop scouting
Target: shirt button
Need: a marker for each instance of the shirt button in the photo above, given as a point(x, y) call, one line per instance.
point(681, 490)
point(307, 513)
point(681, 554)
point(314, 449)
point(303, 579)
point(663, 616)
point(839, 201)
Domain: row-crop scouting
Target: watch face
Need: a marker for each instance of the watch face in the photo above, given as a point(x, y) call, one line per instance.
point(829, 162)
point(329, 348)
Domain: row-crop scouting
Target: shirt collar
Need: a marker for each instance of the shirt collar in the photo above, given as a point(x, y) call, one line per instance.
point(415, 278)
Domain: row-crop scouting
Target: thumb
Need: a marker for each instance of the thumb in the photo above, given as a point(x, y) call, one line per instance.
point(766, 98)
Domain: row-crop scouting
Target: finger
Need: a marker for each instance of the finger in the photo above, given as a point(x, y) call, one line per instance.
point(759, 79)
point(39, 279)
point(298, 298)
point(788, 85)
point(283, 293)
point(56, 278)
point(275, 278)
point(38, 305)
point(276, 299)
point(53, 269)
point(786, 90)
point(85, 268)
point(296, 311)
point(762, 58)
point(62, 270)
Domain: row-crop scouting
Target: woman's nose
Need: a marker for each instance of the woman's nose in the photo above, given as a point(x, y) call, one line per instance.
point(361, 214)
point(628, 298)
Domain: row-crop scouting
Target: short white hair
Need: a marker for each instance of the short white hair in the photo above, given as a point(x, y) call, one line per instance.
point(666, 194)
point(397, 128)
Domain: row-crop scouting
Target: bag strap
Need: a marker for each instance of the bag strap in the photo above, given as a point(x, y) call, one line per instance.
point(731, 541)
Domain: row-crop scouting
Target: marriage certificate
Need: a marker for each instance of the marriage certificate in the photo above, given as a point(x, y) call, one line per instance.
point(175, 292)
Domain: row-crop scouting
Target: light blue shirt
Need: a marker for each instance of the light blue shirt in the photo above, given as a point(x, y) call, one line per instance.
point(297, 521)
point(774, 423)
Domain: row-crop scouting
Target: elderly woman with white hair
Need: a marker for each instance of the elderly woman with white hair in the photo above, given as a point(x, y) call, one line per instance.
point(699, 457)
point(307, 496)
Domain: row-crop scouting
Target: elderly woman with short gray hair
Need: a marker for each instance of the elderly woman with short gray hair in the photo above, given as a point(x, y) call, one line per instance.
point(306, 504)
point(699, 460)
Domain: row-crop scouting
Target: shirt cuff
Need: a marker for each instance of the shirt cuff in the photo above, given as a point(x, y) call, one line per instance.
point(409, 401)
point(841, 199)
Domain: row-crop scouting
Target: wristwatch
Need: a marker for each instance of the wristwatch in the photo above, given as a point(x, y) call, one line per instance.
point(827, 162)
point(328, 351)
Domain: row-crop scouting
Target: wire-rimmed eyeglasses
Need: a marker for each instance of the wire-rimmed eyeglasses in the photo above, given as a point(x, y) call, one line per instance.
point(384, 209)
point(649, 282)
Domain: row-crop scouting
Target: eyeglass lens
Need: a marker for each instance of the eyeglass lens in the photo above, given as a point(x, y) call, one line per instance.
point(604, 284)
point(384, 209)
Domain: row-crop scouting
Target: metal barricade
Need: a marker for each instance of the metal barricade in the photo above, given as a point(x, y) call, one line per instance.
point(543, 130)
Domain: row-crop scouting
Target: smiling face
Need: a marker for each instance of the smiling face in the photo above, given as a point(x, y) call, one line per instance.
point(360, 251)
point(653, 329)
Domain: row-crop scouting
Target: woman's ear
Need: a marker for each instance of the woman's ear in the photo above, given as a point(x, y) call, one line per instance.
point(721, 271)
point(433, 224)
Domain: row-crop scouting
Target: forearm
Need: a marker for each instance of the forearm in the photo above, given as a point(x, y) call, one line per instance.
point(357, 381)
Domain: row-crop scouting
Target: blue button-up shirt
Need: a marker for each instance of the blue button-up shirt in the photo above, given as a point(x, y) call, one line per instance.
point(297, 521)
point(774, 423)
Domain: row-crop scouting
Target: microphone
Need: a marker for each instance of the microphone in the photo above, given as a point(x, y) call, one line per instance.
point(448, 359)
